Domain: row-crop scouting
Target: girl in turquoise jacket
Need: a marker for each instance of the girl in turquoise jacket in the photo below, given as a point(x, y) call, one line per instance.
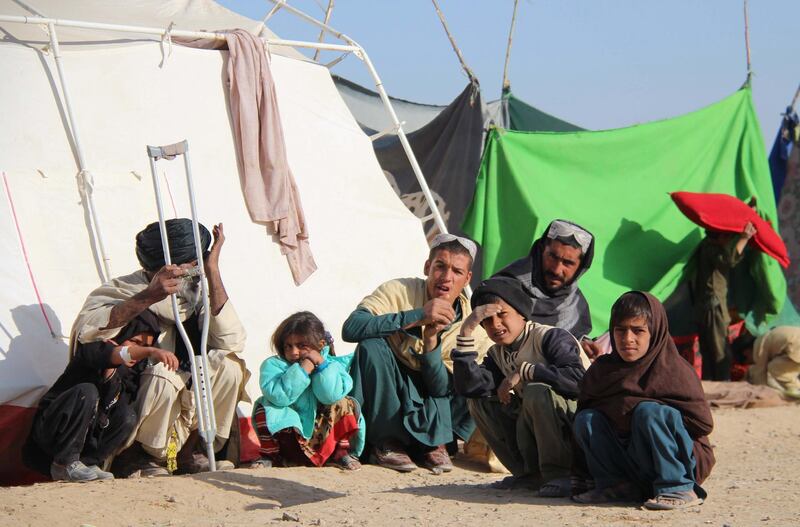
point(304, 416)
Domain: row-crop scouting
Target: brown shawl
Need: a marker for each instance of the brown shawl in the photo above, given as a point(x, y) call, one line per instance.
point(615, 387)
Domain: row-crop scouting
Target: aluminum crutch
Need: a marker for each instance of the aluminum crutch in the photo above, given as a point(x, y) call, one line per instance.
point(201, 387)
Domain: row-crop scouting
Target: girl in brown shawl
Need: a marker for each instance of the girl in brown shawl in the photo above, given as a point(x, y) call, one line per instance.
point(643, 421)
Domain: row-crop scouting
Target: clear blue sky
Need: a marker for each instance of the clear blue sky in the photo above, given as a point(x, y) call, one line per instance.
point(599, 64)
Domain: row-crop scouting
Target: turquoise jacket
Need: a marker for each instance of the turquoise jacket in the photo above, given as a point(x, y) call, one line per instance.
point(290, 395)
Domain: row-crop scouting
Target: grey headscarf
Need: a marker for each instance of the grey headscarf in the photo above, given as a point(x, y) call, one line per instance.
point(565, 308)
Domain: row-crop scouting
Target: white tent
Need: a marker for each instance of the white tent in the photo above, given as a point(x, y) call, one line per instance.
point(361, 234)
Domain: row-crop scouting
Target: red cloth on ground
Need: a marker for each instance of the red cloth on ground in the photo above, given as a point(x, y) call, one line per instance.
point(248, 441)
point(15, 424)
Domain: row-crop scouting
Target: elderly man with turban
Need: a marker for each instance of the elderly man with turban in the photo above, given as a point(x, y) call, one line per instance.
point(165, 404)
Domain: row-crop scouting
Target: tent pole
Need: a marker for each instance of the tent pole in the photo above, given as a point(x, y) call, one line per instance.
point(412, 159)
point(352, 46)
point(747, 42)
point(362, 54)
point(85, 177)
point(162, 31)
point(328, 13)
point(794, 99)
point(310, 19)
point(272, 11)
point(506, 82)
point(464, 66)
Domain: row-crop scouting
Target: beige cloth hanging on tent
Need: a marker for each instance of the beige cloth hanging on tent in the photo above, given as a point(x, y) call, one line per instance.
point(267, 182)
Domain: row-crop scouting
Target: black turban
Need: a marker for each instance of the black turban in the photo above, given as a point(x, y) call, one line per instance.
point(181, 243)
point(508, 289)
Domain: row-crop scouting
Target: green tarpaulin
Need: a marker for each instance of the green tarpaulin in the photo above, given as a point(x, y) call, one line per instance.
point(526, 118)
point(616, 183)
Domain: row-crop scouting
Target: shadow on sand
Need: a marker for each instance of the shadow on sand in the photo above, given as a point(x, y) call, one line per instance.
point(483, 494)
point(274, 492)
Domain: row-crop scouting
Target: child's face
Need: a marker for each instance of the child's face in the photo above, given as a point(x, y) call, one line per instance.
point(504, 327)
point(632, 338)
point(296, 347)
point(141, 339)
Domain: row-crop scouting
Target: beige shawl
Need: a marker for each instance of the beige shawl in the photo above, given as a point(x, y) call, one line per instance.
point(226, 335)
point(405, 294)
point(782, 340)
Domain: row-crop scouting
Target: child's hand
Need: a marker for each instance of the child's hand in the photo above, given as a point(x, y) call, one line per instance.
point(118, 356)
point(314, 356)
point(478, 315)
point(504, 391)
point(749, 231)
point(167, 358)
point(591, 348)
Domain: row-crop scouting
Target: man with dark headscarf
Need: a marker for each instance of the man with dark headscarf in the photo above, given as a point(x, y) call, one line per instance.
point(550, 273)
point(165, 405)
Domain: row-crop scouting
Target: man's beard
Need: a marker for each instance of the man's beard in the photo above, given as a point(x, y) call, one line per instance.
point(550, 276)
point(190, 295)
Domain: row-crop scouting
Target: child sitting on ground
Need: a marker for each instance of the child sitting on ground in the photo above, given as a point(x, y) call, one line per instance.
point(88, 413)
point(522, 396)
point(643, 420)
point(304, 416)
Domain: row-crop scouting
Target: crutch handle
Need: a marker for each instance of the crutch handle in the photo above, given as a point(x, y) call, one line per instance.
point(168, 151)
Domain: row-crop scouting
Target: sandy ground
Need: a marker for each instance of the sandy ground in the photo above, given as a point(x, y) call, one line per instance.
point(754, 484)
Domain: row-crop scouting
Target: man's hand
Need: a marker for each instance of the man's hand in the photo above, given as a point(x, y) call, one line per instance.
point(430, 336)
point(165, 282)
point(437, 311)
point(167, 358)
point(212, 260)
point(478, 315)
point(216, 289)
point(504, 391)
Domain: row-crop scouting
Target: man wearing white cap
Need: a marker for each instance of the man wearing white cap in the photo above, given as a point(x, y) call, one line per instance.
point(402, 371)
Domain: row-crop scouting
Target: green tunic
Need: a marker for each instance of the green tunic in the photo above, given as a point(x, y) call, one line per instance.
point(400, 404)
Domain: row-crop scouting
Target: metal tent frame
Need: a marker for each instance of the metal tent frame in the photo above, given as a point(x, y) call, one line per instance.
point(85, 175)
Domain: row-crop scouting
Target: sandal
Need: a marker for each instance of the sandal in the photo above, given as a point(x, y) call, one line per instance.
point(516, 482)
point(556, 488)
point(581, 484)
point(667, 501)
point(349, 462)
point(263, 462)
point(621, 492)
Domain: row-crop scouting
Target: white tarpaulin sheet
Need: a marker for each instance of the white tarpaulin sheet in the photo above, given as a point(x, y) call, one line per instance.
point(360, 233)
point(189, 15)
